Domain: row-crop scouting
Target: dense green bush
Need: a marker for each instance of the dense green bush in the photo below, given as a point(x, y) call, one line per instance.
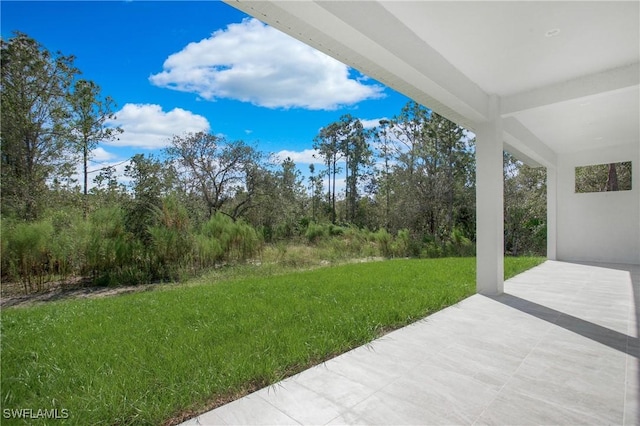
point(28, 254)
point(352, 241)
point(69, 241)
point(207, 251)
point(114, 255)
point(383, 239)
point(107, 250)
point(402, 244)
point(104, 249)
point(316, 232)
point(171, 240)
point(236, 240)
point(459, 245)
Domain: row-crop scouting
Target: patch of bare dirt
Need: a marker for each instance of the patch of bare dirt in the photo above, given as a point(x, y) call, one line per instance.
point(13, 293)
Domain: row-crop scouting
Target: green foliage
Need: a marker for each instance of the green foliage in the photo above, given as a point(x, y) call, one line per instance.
point(88, 113)
point(525, 208)
point(286, 256)
point(401, 245)
point(207, 251)
point(171, 239)
point(149, 181)
point(39, 252)
point(384, 239)
point(603, 177)
point(214, 202)
point(459, 245)
point(352, 242)
point(216, 168)
point(426, 176)
point(114, 255)
point(316, 231)
point(237, 240)
point(34, 84)
point(28, 255)
point(63, 245)
point(343, 141)
point(69, 242)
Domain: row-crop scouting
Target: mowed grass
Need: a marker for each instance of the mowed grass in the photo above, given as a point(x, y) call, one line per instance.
point(154, 357)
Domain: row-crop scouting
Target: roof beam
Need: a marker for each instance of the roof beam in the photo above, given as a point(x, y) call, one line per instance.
point(582, 87)
point(415, 58)
point(525, 146)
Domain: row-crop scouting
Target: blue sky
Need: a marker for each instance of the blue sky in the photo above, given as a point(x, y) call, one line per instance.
point(174, 67)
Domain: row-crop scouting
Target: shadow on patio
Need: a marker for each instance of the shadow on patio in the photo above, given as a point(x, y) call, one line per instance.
point(606, 336)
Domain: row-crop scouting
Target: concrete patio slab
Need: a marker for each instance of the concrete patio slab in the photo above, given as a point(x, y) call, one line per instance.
point(559, 347)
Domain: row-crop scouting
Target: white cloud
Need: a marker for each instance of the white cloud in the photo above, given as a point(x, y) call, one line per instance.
point(101, 155)
point(300, 157)
point(374, 122)
point(148, 126)
point(253, 62)
point(341, 185)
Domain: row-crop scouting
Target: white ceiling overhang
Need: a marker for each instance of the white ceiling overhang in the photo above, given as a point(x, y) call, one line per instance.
point(566, 73)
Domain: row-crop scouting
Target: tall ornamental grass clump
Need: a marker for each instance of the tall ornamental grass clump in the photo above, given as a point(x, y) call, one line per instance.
point(106, 250)
point(383, 238)
point(27, 253)
point(50, 249)
point(221, 239)
point(68, 243)
point(171, 240)
point(114, 255)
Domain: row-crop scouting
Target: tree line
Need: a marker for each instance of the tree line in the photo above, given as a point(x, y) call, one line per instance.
point(406, 187)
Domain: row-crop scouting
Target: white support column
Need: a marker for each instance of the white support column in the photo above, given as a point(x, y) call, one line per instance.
point(552, 212)
point(490, 204)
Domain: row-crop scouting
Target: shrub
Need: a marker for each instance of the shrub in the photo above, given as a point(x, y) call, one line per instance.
point(316, 232)
point(236, 240)
point(106, 249)
point(28, 253)
point(207, 251)
point(431, 249)
point(68, 246)
point(335, 230)
point(459, 245)
point(245, 241)
point(384, 239)
point(114, 256)
point(171, 242)
point(402, 244)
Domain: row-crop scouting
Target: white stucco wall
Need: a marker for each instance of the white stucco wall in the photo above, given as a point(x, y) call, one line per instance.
point(600, 226)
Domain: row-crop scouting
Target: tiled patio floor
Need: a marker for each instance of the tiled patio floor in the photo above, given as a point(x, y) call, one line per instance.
point(559, 347)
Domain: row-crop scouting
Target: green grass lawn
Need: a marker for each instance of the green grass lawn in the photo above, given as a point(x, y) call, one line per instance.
point(151, 357)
